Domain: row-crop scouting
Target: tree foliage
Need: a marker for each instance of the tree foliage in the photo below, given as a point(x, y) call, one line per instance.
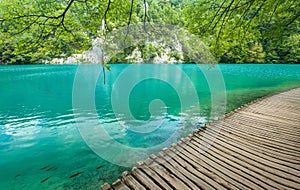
point(43, 29)
point(234, 29)
point(237, 31)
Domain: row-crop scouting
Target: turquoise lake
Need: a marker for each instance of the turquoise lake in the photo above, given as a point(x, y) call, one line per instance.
point(44, 108)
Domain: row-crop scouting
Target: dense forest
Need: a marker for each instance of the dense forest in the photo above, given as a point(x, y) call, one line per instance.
point(236, 31)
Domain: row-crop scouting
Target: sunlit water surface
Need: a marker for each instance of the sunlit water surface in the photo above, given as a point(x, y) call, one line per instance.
point(40, 144)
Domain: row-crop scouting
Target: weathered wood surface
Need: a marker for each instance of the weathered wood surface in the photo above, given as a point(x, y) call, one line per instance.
point(255, 147)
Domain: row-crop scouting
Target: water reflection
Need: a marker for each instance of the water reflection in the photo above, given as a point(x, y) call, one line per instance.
point(38, 127)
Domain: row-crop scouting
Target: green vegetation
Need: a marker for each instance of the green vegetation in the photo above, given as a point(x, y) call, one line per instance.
point(254, 31)
point(236, 31)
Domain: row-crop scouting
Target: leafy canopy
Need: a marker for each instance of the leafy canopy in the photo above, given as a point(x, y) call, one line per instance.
point(235, 30)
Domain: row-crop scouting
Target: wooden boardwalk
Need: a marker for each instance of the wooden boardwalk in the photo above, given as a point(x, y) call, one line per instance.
point(255, 147)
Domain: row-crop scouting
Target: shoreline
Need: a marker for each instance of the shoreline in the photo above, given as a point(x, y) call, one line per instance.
point(31, 64)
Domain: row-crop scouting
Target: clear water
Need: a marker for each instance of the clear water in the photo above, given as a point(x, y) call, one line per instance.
point(41, 146)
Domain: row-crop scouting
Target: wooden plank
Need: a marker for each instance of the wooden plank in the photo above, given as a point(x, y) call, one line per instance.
point(227, 126)
point(119, 185)
point(273, 117)
point(252, 155)
point(105, 186)
point(255, 147)
point(205, 176)
point(263, 152)
point(278, 126)
point(175, 172)
point(268, 129)
point(209, 169)
point(159, 181)
point(273, 177)
point(270, 124)
point(131, 182)
point(238, 172)
point(166, 175)
point(193, 176)
point(249, 130)
point(144, 179)
point(248, 138)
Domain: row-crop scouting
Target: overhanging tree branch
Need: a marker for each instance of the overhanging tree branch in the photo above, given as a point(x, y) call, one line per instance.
point(105, 14)
point(62, 16)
